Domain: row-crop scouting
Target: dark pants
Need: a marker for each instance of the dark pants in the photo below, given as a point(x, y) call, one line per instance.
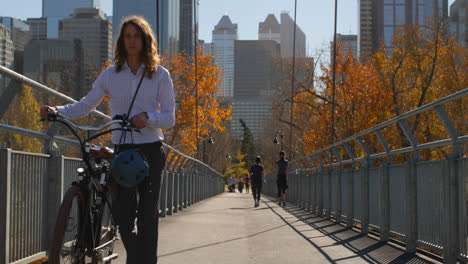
point(141, 246)
point(282, 184)
point(256, 190)
point(247, 188)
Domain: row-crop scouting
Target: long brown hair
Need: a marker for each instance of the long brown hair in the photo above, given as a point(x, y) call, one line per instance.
point(150, 53)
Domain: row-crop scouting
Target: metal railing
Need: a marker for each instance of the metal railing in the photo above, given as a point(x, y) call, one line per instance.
point(423, 203)
point(32, 186)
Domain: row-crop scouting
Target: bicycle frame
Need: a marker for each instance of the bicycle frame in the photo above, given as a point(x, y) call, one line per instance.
point(94, 189)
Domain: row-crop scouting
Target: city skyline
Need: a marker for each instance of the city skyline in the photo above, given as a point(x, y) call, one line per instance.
point(315, 18)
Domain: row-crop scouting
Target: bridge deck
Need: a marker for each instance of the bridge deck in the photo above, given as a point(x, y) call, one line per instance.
point(228, 229)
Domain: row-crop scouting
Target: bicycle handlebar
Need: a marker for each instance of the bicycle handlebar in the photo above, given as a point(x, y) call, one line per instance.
point(122, 120)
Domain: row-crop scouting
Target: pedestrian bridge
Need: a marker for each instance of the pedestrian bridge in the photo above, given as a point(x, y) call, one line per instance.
point(343, 205)
point(229, 229)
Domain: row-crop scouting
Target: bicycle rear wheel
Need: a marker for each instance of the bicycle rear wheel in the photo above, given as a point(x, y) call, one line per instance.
point(108, 235)
point(67, 229)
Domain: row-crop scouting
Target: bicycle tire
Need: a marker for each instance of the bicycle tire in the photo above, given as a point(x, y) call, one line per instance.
point(108, 233)
point(69, 220)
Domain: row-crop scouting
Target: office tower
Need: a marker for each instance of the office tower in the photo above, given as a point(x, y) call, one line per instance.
point(224, 35)
point(95, 33)
point(269, 29)
point(55, 62)
point(165, 25)
point(6, 56)
point(254, 82)
point(38, 27)
point(20, 35)
point(380, 19)
point(169, 20)
point(55, 10)
point(348, 43)
point(6, 47)
point(187, 26)
point(287, 38)
point(209, 49)
point(458, 21)
point(367, 30)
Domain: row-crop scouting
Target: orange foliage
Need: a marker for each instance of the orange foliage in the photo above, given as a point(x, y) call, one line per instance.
point(423, 65)
point(211, 114)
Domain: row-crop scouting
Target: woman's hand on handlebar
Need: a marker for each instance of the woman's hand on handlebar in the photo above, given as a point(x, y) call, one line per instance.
point(139, 121)
point(46, 110)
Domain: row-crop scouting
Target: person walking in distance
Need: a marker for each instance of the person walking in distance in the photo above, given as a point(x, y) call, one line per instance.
point(240, 185)
point(257, 179)
point(281, 178)
point(136, 77)
point(247, 183)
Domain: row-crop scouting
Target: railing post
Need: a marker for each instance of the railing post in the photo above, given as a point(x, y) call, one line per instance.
point(328, 190)
point(176, 190)
point(182, 189)
point(451, 241)
point(163, 194)
point(320, 179)
point(338, 186)
point(54, 193)
point(364, 169)
point(411, 191)
point(456, 230)
point(170, 193)
point(313, 187)
point(350, 188)
point(384, 191)
point(5, 199)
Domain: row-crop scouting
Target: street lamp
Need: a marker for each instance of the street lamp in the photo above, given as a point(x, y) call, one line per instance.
point(210, 141)
point(276, 141)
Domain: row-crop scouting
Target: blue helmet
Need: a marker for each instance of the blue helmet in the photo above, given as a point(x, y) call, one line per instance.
point(129, 168)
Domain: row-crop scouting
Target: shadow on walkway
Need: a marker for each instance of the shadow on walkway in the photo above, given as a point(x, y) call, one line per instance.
point(366, 247)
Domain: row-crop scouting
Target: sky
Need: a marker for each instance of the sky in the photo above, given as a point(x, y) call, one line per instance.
point(314, 17)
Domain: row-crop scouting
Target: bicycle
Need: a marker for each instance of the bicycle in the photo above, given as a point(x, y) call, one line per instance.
point(84, 230)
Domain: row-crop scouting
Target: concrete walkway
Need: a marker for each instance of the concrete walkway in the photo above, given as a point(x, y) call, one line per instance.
point(229, 229)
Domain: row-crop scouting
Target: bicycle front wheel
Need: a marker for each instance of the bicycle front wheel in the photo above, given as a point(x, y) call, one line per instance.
point(65, 248)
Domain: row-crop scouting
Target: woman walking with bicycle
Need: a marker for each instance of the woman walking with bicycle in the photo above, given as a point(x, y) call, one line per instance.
point(141, 90)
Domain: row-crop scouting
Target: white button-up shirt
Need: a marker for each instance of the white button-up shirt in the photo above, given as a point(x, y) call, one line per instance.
point(155, 97)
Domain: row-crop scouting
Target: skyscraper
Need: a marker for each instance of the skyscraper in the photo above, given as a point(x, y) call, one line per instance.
point(459, 21)
point(6, 47)
point(95, 33)
point(348, 43)
point(165, 25)
point(55, 10)
point(254, 82)
point(169, 26)
point(187, 26)
point(38, 27)
point(20, 35)
point(380, 19)
point(287, 38)
point(224, 35)
point(269, 29)
point(54, 61)
point(123, 8)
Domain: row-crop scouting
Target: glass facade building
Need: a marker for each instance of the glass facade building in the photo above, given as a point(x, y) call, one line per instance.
point(165, 25)
point(55, 10)
point(224, 35)
point(188, 13)
point(380, 19)
point(254, 85)
point(459, 22)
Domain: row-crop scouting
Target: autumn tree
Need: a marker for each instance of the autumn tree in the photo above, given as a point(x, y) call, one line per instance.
point(195, 86)
point(422, 65)
point(23, 112)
